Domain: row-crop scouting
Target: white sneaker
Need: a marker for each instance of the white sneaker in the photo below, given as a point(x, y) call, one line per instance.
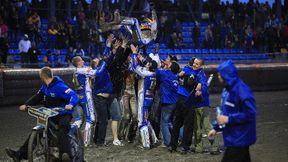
point(117, 143)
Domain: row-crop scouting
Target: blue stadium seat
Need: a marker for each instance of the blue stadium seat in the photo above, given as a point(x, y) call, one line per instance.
point(191, 24)
point(162, 45)
point(226, 51)
point(170, 51)
point(162, 51)
point(177, 51)
point(212, 51)
point(17, 57)
point(163, 57)
point(240, 50)
point(41, 58)
point(198, 51)
point(233, 50)
point(205, 51)
point(63, 51)
point(184, 24)
point(219, 51)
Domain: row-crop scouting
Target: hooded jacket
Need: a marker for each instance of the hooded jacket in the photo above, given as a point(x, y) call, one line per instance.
point(239, 105)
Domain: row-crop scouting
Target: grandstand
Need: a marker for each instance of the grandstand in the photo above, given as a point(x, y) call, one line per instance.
point(187, 50)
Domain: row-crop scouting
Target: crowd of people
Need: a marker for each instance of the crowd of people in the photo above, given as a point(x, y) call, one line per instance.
point(237, 25)
point(155, 98)
point(140, 93)
point(252, 25)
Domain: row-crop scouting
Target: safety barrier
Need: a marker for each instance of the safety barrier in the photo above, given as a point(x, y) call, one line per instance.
point(16, 86)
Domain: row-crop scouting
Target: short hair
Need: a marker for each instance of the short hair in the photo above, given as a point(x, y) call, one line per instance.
point(175, 68)
point(191, 61)
point(201, 60)
point(75, 60)
point(46, 72)
point(153, 65)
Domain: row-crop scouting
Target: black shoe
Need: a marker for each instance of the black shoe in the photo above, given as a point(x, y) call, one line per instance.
point(171, 149)
point(13, 154)
point(183, 150)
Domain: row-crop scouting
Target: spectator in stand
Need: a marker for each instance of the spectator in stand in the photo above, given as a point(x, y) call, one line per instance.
point(33, 53)
point(176, 40)
point(3, 28)
point(78, 51)
point(249, 36)
point(36, 24)
point(208, 42)
point(14, 26)
point(52, 34)
point(23, 47)
point(71, 35)
point(162, 35)
point(61, 35)
point(84, 35)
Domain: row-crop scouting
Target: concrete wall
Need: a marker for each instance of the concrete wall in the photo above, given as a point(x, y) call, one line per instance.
point(16, 86)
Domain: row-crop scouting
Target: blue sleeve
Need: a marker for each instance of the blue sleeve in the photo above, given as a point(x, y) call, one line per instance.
point(185, 69)
point(134, 65)
point(247, 114)
point(201, 78)
point(100, 69)
point(68, 94)
point(106, 51)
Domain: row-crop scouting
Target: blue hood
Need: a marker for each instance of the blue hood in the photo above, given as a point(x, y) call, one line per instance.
point(228, 72)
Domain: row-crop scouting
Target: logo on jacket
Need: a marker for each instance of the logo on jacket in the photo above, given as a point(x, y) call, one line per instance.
point(229, 104)
point(52, 94)
point(68, 90)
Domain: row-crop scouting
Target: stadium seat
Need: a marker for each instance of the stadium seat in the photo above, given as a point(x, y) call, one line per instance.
point(198, 51)
point(170, 51)
point(226, 51)
point(205, 51)
point(219, 51)
point(177, 51)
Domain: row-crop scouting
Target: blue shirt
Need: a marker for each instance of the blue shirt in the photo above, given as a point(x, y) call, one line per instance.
point(102, 82)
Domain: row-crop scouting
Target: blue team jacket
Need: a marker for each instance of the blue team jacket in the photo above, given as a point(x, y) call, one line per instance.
point(168, 86)
point(239, 105)
point(181, 90)
point(102, 82)
point(192, 100)
point(58, 90)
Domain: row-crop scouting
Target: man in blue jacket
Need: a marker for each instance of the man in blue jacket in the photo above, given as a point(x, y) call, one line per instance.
point(168, 97)
point(101, 96)
point(54, 93)
point(238, 118)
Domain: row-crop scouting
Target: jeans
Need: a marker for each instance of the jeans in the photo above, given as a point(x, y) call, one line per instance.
point(166, 120)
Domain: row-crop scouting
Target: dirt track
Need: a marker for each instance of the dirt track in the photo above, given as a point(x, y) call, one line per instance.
point(271, 146)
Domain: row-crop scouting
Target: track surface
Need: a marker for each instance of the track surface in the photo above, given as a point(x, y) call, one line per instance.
point(271, 145)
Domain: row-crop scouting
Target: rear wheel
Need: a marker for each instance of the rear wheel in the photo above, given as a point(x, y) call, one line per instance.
point(36, 147)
